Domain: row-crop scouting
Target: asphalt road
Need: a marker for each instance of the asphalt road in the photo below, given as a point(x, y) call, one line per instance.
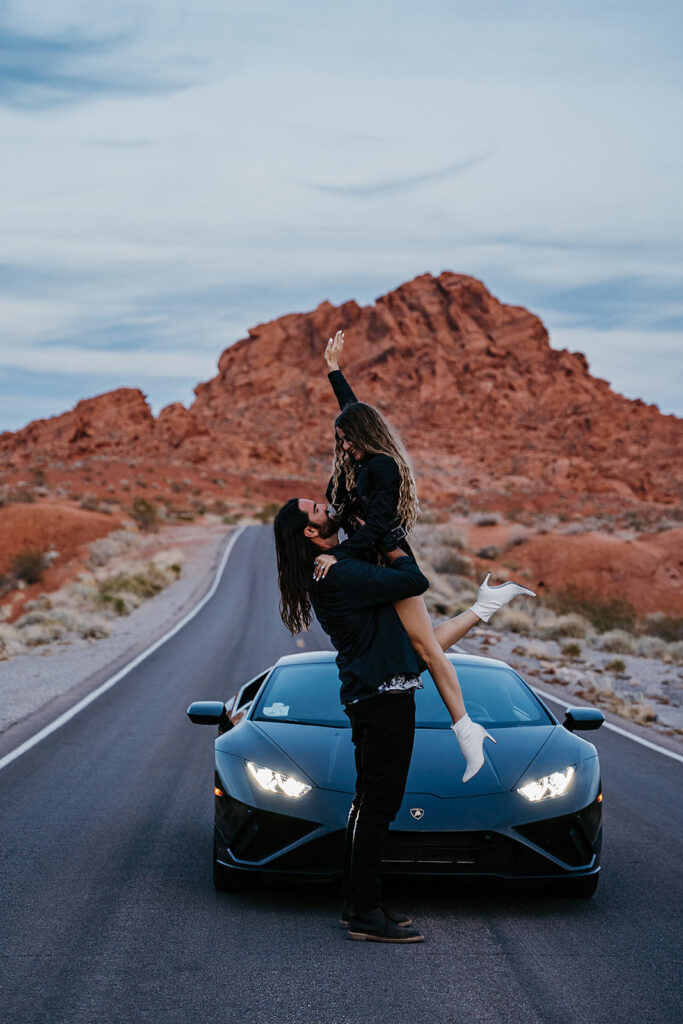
point(108, 913)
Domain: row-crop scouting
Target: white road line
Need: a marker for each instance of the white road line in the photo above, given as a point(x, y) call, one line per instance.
point(63, 719)
point(614, 728)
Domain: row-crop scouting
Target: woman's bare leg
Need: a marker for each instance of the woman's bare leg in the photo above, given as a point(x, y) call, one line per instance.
point(412, 612)
point(448, 633)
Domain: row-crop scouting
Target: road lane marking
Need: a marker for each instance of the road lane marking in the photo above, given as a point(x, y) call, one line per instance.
point(615, 728)
point(63, 719)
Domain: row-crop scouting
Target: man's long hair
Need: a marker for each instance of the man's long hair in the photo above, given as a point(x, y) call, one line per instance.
point(295, 557)
point(367, 429)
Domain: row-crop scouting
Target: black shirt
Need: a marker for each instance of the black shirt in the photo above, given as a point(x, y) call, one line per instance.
point(377, 491)
point(354, 605)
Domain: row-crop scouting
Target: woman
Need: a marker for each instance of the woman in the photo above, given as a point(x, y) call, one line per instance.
point(373, 494)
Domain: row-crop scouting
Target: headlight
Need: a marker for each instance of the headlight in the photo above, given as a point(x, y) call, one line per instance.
point(556, 784)
point(272, 781)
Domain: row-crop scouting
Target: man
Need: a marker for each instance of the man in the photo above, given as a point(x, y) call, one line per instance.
point(379, 673)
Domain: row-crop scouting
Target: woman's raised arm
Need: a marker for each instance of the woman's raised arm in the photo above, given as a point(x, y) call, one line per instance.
point(341, 387)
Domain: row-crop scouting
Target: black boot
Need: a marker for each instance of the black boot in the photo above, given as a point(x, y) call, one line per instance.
point(376, 926)
point(397, 916)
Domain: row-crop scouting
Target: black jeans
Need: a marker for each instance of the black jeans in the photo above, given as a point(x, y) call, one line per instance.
point(383, 730)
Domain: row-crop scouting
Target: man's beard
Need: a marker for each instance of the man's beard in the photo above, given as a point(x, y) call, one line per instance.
point(327, 530)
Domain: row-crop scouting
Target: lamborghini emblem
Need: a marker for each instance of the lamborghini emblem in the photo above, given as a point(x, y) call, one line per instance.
point(417, 812)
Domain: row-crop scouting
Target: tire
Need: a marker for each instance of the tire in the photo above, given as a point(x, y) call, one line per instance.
point(577, 888)
point(226, 879)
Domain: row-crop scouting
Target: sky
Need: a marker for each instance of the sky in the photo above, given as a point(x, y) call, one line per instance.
point(173, 173)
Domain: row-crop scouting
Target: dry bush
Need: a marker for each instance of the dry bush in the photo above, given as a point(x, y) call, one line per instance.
point(651, 647)
point(514, 621)
point(618, 641)
point(603, 614)
point(675, 652)
point(29, 564)
point(666, 627)
point(487, 519)
point(636, 711)
point(572, 650)
point(453, 563)
point(618, 666)
point(571, 625)
point(536, 650)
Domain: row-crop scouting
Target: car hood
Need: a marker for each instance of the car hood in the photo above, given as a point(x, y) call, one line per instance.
point(327, 758)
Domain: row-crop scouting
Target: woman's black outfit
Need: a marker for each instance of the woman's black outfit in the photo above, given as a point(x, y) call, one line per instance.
point(375, 499)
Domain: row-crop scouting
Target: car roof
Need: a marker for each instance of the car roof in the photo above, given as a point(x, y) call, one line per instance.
point(325, 657)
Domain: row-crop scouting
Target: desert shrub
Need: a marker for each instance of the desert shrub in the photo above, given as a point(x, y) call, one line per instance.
point(514, 621)
point(618, 642)
point(452, 562)
point(539, 651)
point(29, 564)
point(219, 508)
point(617, 665)
point(42, 633)
point(94, 629)
point(571, 625)
point(675, 651)
point(113, 601)
point(572, 650)
point(453, 539)
point(603, 614)
point(90, 502)
point(651, 647)
point(229, 519)
point(487, 520)
point(143, 585)
point(268, 512)
point(666, 627)
point(145, 514)
point(490, 552)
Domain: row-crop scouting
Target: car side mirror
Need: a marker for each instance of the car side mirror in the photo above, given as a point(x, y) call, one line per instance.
point(209, 712)
point(583, 718)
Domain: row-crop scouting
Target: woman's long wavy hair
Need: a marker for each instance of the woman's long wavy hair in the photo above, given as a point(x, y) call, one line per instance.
point(295, 557)
point(367, 429)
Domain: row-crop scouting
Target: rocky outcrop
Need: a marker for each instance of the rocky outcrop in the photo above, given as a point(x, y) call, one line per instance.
point(487, 408)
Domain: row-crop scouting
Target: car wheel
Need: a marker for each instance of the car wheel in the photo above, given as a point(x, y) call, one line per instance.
point(577, 888)
point(227, 879)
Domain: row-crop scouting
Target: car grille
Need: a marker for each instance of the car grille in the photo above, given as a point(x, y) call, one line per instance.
point(252, 834)
point(459, 853)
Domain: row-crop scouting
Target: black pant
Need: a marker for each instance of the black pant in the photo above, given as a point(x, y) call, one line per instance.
point(383, 730)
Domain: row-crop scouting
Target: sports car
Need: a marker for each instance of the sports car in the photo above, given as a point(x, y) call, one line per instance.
point(285, 777)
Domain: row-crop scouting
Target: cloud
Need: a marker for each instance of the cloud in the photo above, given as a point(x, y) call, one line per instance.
point(396, 186)
point(39, 71)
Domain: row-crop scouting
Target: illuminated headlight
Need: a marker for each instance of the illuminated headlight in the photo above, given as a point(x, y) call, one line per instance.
point(550, 785)
point(276, 783)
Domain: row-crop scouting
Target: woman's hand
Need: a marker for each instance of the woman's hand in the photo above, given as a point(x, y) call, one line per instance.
point(333, 351)
point(322, 565)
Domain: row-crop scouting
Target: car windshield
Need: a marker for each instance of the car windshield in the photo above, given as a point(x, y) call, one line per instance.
point(309, 694)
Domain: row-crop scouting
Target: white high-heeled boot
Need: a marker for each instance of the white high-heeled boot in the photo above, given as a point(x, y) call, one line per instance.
point(490, 599)
point(470, 736)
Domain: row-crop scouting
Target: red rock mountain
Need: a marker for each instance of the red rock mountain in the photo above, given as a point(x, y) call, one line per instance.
point(487, 409)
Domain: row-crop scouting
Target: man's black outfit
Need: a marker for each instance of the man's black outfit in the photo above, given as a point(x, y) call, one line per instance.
point(354, 605)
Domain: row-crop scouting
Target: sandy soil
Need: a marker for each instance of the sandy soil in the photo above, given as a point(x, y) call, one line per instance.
point(30, 681)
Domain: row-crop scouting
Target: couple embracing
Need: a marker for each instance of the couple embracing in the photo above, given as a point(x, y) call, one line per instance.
point(366, 592)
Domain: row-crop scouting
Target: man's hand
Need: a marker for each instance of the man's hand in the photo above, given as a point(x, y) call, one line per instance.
point(333, 351)
point(322, 565)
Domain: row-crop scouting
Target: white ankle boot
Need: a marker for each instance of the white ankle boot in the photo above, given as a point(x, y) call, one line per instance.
point(470, 735)
point(490, 599)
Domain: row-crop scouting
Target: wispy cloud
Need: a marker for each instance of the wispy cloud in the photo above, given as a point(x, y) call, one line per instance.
point(386, 187)
point(41, 70)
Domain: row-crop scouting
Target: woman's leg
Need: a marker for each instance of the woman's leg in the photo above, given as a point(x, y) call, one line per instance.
point(412, 612)
point(430, 644)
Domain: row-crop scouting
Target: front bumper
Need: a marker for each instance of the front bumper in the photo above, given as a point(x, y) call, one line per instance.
point(253, 839)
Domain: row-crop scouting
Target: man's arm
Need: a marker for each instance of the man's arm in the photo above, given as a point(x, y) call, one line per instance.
point(362, 585)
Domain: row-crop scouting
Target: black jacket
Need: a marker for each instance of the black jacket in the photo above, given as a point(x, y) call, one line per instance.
point(376, 498)
point(354, 605)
